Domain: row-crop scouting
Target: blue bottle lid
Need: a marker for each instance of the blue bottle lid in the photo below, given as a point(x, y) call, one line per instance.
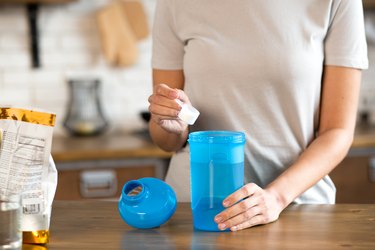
point(217, 136)
point(134, 192)
point(147, 203)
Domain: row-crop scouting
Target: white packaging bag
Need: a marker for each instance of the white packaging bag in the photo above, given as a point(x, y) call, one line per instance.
point(27, 167)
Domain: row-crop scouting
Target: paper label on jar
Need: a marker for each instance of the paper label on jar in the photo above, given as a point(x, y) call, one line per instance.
point(25, 163)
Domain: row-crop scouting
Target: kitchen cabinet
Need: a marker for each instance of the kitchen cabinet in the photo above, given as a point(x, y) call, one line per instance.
point(354, 177)
point(98, 167)
point(123, 157)
point(369, 4)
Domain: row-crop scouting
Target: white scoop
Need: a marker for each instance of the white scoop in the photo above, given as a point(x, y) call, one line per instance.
point(188, 113)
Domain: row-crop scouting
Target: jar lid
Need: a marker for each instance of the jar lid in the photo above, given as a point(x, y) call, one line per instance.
point(216, 136)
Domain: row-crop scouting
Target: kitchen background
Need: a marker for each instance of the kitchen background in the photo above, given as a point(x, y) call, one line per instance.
point(70, 43)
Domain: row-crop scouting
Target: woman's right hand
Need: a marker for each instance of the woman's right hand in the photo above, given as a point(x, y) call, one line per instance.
point(164, 109)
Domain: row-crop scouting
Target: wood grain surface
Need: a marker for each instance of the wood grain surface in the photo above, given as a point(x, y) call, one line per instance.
point(97, 225)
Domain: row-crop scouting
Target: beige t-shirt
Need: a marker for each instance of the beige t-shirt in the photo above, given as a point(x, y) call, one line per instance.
point(256, 66)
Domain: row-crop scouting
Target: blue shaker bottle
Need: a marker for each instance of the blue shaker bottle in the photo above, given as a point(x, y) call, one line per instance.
point(147, 202)
point(217, 170)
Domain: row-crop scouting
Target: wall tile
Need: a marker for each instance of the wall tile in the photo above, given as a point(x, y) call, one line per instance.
point(89, 42)
point(16, 97)
point(10, 61)
point(14, 41)
point(49, 43)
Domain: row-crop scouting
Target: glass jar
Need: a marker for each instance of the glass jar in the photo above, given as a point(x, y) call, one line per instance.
point(217, 170)
point(84, 113)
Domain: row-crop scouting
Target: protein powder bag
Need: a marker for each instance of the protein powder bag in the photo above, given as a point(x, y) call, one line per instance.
point(26, 167)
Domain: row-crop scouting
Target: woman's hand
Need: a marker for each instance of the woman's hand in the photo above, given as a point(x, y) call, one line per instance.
point(164, 109)
point(249, 206)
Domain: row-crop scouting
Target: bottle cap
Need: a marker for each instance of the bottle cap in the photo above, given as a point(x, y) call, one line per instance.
point(188, 113)
point(147, 202)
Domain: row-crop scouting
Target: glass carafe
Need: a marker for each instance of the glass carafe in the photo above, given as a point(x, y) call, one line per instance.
point(84, 113)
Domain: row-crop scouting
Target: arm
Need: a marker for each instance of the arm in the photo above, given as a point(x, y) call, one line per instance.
point(336, 129)
point(340, 93)
point(166, 130)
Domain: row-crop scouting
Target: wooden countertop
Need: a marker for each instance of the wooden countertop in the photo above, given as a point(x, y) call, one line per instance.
point(106, 146)
point(97, 225)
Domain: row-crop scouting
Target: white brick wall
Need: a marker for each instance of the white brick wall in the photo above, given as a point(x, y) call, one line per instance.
point(69, 42)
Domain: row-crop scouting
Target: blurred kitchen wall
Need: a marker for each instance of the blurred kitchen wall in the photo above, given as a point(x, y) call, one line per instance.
point(367, 95)
point(69, 42)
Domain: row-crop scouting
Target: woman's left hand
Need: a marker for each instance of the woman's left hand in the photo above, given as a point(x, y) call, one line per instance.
point(249, 206)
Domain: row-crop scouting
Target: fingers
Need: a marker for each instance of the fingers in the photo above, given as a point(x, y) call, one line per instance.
point(256, 220)
point(164, 108)
point(166, 91)
point(240, 194)
point(240, 208)
point(182, 96)
point(160, 113)
point(248, 206)
point(165, 96)
point(163, 104)
point(237, 209)
point(251, 215)
point(170, 93)
point(157, 101)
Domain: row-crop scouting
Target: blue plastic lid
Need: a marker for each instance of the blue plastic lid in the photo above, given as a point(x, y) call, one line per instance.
point(133, 191)
point(147, 202)
point(215, 136)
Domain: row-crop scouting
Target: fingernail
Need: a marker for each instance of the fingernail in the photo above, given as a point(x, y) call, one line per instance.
point(222, 226)
point(174, 93)
point(234, 228)
point(218, 219)
point(226, 203)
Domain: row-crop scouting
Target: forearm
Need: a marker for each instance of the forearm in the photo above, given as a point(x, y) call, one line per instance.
point(166, 140)
point(320, 158)
point(336, 128)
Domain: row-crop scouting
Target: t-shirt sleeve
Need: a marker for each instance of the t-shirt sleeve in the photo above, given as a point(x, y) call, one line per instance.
point(345, 43)
point(167, 47)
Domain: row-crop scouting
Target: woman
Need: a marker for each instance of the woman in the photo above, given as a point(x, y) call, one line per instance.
point(287, 73)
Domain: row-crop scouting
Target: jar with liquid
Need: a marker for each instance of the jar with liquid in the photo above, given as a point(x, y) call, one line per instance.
point(217, 170)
